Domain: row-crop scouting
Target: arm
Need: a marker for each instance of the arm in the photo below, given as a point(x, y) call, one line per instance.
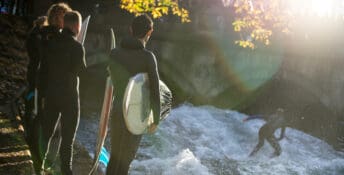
point(282, 133)
point(154, 88)
point(251, 117)
point(119, 77)
point(32, 44)
point(79, 59)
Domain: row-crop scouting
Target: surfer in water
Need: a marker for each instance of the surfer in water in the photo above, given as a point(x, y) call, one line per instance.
point(125, 62)
point(273, 122)
point(66, 61)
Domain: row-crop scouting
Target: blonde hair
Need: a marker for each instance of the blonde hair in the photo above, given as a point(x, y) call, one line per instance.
point(56, 13)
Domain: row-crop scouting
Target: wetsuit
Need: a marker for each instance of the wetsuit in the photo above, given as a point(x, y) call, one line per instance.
point(273, 122)
point(32, 46)
point(36, 44)
point(64, 59)
point(128, 60)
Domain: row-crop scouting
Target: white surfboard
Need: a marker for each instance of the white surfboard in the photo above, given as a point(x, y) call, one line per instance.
point(137, 111)
point(82, 35)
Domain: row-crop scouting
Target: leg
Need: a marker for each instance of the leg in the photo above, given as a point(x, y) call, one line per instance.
point(29, 118)
point(48, 119)
point(69, 124)
point(258, 146)
point(123, 146)
point(282, 133)
point(274, 143)
point(128, 150)
point(35, 141)
point(262, 135)
point(116, 135)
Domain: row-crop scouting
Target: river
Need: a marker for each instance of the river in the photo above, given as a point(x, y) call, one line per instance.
point(204, 140)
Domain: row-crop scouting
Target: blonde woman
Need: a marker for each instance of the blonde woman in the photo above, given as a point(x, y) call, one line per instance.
point(45, 28)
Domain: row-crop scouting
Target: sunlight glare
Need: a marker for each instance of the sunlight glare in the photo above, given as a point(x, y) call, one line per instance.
point(322, 8)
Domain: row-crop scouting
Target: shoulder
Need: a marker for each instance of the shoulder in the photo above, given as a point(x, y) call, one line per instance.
point(78, 45)
point(149, 55)
point(69, 44)
point(49, 31)
point(74, 43)
point(35, 31)
point(114, 53)
point(79, 48)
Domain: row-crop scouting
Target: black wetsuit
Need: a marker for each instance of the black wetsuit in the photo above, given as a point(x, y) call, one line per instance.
point(36, 44)
point(32, 46)
point(64, 59)
point(273, 122)
point(132, 58)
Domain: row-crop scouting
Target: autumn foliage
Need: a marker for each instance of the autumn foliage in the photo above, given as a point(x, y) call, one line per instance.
point(157, 8)
point(255, 22)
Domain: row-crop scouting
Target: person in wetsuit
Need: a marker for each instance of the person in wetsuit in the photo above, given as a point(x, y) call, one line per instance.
point(38, 39)
point(32, 46)
point(65, 61)
point(266, 132)
point(125, 62)
point(39, 36)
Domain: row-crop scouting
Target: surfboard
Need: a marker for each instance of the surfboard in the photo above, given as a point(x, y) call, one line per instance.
point(103, 124)
point(137, 112)
point(100, 153)
point(82, 35)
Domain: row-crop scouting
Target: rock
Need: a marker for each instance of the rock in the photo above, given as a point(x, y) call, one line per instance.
point(13, 57)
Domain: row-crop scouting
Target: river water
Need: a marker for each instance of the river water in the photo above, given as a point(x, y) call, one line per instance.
point(206, 140)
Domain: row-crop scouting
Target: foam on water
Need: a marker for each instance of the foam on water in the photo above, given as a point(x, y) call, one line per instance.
point(205, 140)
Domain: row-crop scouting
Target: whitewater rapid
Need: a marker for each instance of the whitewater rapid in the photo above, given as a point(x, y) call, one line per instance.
point(209, 141)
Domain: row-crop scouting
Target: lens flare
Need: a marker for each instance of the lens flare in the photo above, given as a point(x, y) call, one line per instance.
point(321, 8)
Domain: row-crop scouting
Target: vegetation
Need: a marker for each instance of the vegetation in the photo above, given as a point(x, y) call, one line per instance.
point(256, 21)
point(156, 8)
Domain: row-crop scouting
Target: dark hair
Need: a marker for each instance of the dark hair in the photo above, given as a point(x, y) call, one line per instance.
point(71, 18)
point(141, 25)
point(56, 12)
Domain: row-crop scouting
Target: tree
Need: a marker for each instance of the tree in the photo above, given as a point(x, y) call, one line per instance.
point(157, 8)
point(256, 21)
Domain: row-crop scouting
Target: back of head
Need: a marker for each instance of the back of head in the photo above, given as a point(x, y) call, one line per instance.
point(55, 14)
point(141, 25)
point(280, 111)
point(71, 18)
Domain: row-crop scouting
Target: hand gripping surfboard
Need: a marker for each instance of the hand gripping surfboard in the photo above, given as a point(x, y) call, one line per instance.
point(137, 111)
